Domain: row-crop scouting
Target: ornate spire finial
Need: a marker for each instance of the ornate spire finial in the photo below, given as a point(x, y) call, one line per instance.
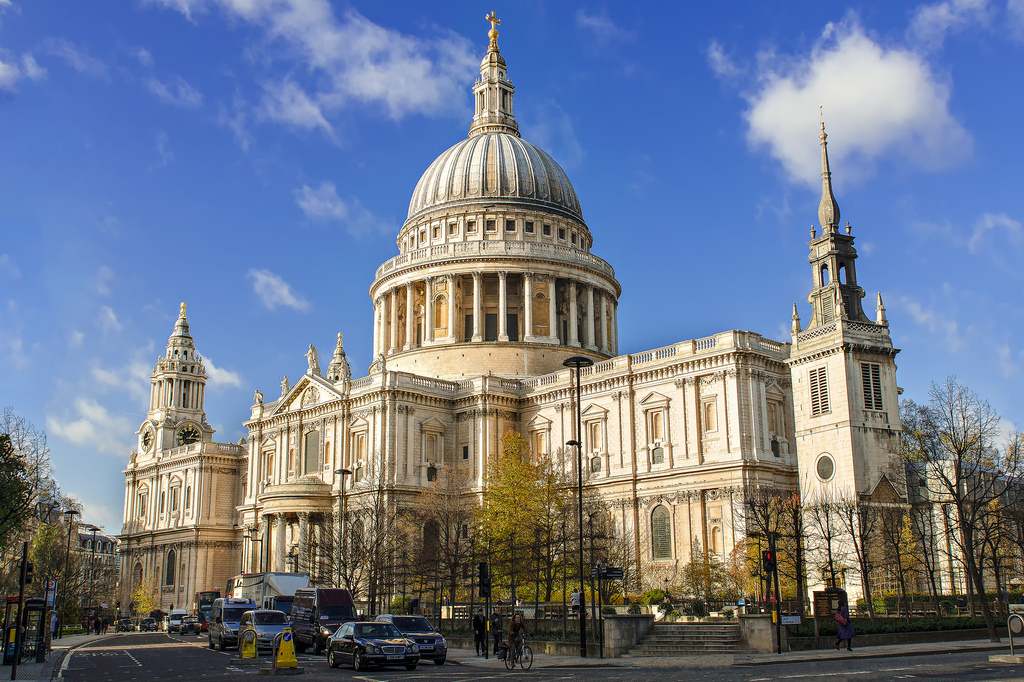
point(182, 313)
point(796, 321)
point(880, 312)
point(493, 33)
point(828, 209)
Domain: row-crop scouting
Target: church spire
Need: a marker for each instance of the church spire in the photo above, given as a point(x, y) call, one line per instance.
point(492, 94)
point(828, 209)
point(339, 369)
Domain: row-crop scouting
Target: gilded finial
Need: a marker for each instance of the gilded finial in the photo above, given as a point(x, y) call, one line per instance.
point(182, 313)
point(493, 33)
point(339, 337)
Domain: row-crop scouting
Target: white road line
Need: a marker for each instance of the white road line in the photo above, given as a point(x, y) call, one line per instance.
point(133, 658)
point(64, 665)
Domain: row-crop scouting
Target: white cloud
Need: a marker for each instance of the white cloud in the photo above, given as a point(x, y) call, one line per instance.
point(8, 76)
point(144, 56)
point(1006, 363)
point(551, 129)
point(931, 23)
point(32, 68)
point(928, 318)
point(221, 377)
point(602, 27)
point(76, 339)
point(177, 91)
point(992, 222)
point(108, 320)
point(720, 62)
point(323, 204)
point(353, 60)
point(103, 279)
point(1015, 14)
point(132, 379)
point(876, 100)
point(9, 267)
point(77, 59)
point(95, 427)
point(288, 103)
point(236, 120)
point(274, 291)
point(163, 150)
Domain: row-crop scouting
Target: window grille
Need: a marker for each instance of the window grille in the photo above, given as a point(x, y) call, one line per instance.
point(819, 392)
point(661, 533)
point(872, 380)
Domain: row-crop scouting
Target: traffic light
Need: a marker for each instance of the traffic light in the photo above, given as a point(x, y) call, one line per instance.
point(28, 573)
point(118, 606)
point(768, 561)
point(483, 579)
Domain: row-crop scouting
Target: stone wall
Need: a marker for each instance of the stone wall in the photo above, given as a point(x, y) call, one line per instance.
point(623, 632)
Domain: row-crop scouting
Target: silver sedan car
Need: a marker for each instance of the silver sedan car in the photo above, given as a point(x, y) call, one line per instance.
point(268, 625)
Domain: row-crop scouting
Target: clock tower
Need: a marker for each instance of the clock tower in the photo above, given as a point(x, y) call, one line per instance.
point(178, 389)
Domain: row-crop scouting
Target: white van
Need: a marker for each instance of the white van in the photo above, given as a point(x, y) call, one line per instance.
point(174, 620)
point(225, 616)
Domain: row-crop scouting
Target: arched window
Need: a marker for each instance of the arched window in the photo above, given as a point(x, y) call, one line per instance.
point(661, 533)
point(842, 273)
point(169, 577)
point(137, 575)
point(824, 276)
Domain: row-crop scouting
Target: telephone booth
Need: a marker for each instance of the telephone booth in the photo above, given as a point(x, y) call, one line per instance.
point(34, 626)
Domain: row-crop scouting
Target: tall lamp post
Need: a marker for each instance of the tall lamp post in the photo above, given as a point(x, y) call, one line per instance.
point(341, 519)
point(578, 362)
point(71, 514)
point(92, 563)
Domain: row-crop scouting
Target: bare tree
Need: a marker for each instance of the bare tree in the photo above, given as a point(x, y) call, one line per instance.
point(953, 437)
point(447, 511)
point(860, 521)
point(823, 515)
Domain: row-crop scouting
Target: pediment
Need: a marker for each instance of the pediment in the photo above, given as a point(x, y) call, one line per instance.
point(775, 392)
point(433, 425)
point(594, 412)
point(653, 398)
point(311, 389)
point(885, 492)
point(539, 423)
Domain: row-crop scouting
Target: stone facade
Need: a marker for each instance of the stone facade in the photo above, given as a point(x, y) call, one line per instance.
point(493, 287)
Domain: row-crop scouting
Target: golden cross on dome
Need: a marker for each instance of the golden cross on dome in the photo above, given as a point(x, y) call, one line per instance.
point(493, 18)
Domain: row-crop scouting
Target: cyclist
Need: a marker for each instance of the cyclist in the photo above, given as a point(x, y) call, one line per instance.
point(516, 626)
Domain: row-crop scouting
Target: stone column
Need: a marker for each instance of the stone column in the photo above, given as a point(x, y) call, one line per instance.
point(279, 543)
point(574, 332)
point(552, 309)
point(451, 309)
point(428, 312)
point(477, 307)
point(410, 318)
point(614, 338)
point(528, 306)
point(606, 344)
point(379, 340)
point(502, 306)
point(394, 321)
point(303, 542)
point(591, 342)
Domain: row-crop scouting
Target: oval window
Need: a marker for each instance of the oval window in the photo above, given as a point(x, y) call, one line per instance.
point(826, 467)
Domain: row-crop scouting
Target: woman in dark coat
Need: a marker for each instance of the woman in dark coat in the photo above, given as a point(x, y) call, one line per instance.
point(845, 627)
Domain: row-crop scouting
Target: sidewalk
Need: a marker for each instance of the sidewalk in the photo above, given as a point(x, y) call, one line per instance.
point(468, 657)
point(45, 671)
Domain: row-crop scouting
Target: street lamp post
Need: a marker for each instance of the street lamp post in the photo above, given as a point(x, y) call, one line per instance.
point(578, 362)
point(70, 513)
point(92, 564)
point(341, 519)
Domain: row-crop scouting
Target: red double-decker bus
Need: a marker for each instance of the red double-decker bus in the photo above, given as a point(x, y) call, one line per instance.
point(204, 602)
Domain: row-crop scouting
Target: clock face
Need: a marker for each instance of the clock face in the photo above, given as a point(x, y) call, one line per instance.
point(147, 440)
point(187, 435)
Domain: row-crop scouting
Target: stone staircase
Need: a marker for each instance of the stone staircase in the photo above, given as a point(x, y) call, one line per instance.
point(690, 639)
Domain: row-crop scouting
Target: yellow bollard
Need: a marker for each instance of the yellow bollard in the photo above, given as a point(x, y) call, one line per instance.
point(249, 643)
point(285, 656)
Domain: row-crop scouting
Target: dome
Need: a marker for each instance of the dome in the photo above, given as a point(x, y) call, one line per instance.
point(489, 167)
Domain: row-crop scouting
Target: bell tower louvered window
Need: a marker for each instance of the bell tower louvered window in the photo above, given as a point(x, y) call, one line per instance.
point(819, 392)
point(661, 533)
point(872, 382)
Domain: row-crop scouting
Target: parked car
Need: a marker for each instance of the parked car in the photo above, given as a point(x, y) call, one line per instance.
point(124, 625)
point(316, 615)
point(268, 625)
point(433, 646)
point(149, 625)
point(364, 644)
point(224, 619)
point(189, 625)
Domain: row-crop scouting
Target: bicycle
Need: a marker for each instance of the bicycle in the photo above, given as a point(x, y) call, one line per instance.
point(520, 654)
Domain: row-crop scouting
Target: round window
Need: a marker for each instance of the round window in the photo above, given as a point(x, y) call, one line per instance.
point(826, 467)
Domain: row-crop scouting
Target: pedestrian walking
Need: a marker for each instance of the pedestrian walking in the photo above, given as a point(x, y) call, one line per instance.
point(574, 600)
point(846, 632)
point(496, 630)
point(480, 632)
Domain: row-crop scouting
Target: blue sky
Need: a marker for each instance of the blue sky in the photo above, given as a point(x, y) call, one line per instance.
point(255, 158)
